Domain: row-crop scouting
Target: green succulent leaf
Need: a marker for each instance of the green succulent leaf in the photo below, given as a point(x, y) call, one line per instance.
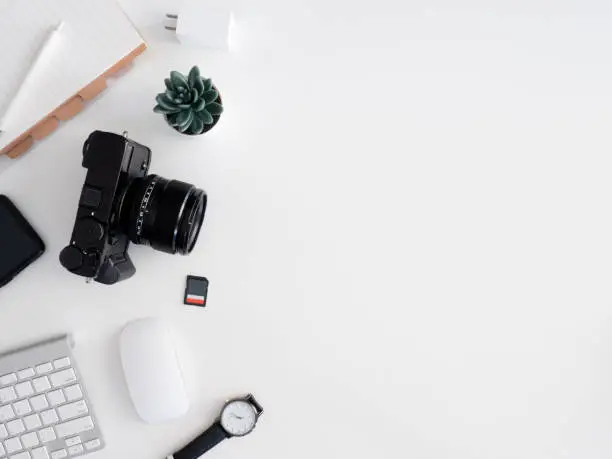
point(207, 84)
point(169, 84)
point(164, 101)
point(178, 80)
point(164, 97)
point(166, 111)
point(184, 127)
point(199, 106)
point(205, 117)
point(171, 119)
point(195, 96)
point(184, 118)
point(194, 75)
point(210, 96)
point(159, 109)
point(214, 108)
point(189, 120)
point(198, 85)
point(197, 125)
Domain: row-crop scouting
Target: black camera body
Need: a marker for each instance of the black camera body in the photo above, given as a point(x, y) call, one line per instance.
point(120, 204)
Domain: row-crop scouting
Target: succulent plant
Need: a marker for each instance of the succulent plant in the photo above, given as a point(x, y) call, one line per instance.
point(190, 104)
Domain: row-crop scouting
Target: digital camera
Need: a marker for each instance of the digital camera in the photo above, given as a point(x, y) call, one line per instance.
point(120, 203)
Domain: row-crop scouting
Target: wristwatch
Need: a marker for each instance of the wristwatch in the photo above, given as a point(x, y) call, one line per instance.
point(238, 418)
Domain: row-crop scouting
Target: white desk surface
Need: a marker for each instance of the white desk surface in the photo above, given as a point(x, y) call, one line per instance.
point(409, 235)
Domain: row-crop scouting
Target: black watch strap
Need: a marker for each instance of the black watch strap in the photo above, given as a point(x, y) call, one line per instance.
point(214, 435)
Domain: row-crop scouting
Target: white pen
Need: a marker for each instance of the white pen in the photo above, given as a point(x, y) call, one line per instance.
point(42, 52)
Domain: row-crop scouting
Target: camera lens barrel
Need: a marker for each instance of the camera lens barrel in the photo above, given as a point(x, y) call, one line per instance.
point(164, 214)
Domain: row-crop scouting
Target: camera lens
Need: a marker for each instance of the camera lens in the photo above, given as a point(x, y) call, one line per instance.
point(164, 214)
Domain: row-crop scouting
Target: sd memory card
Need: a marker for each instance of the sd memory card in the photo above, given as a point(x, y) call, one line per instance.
point(196, 291)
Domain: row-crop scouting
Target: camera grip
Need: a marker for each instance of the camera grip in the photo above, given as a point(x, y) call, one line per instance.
point(117, 265)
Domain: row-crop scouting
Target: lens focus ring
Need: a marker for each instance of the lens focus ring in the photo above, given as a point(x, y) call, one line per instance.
point(165, 214)
point(142, 211)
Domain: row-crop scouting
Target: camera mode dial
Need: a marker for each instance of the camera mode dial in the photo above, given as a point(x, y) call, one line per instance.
point(88, 232)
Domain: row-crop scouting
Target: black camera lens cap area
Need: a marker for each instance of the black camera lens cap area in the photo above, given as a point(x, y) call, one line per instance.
point(19, 244)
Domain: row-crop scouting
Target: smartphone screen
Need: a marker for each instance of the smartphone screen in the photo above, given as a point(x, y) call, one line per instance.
point(19, 243)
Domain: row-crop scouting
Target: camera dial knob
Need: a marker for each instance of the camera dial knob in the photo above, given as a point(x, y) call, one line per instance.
point(88, 232)
point(71, 258)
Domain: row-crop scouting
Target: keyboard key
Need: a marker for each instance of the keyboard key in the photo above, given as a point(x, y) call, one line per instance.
point(32, 422)
point(22, 407)
point(12, 445)
point(93, 444)
point(39, 403)
point(25, 373)
point(44, 368)
point(61, 378)
point(61, 363)
point(76, 449)
point(7, 395)
point(49, 417)
point(73, 410)
point(29, 440)
point(56, 397)
point(44, 411)
point(41, 384)
point(74, 427)
point(5, 380)
point(40, 453)
point(46, 435)
point(24, 389)
point(6, 413)
point(15, 427)
point(73, 392)
point(73, 441)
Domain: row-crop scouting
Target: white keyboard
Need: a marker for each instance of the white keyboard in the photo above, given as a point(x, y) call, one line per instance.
point(44, 409)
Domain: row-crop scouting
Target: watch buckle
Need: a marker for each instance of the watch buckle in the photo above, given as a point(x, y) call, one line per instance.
point(258, 408)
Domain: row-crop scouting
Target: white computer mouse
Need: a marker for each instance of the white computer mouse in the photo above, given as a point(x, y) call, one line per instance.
point(152, 371)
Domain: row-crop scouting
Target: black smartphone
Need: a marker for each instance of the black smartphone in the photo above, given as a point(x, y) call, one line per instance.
point(19, 243)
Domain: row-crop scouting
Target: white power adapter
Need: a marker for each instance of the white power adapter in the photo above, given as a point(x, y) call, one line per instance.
point(199, 25)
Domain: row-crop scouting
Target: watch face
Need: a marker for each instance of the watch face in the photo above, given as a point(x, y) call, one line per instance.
point(238, 418)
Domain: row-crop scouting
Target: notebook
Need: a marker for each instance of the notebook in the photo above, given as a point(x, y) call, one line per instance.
point(97, 39)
